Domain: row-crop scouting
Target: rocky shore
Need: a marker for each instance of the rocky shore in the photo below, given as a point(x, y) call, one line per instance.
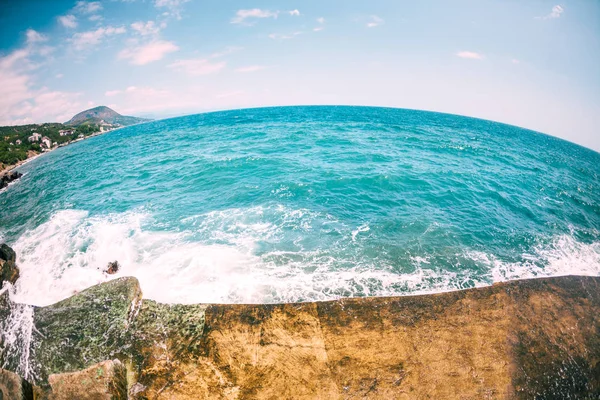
point(8, 178)
point(8, 173)
point(516, 340)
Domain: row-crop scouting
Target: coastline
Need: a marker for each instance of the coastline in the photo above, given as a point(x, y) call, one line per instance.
point(9, 168)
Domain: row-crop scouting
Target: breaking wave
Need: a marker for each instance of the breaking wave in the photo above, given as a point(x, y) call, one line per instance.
point(69, 253)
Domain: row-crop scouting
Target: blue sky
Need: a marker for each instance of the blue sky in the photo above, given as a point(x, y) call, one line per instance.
point(530, 63)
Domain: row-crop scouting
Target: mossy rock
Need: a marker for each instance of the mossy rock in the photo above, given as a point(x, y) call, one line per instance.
point(87, 328)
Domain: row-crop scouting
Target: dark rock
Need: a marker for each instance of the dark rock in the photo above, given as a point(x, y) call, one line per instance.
point(8, 178)
point(8, 269)
point(112, 268)
point(6, 253)
point(8, 272)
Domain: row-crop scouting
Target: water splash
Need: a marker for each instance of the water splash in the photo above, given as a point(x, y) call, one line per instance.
point(224, 258)
point(16, 337)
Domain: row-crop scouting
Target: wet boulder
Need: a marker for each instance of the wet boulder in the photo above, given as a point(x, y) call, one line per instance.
point(112, 268)
point(88, 328)
point(8, 269)
point(7, 253)
point(8, 272)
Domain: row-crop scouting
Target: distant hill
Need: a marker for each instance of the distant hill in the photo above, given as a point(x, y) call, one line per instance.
point(103, 114)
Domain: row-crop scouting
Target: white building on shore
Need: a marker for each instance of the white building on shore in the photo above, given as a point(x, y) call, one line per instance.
point(66, 132)
point(35, 137)
point(46, 142)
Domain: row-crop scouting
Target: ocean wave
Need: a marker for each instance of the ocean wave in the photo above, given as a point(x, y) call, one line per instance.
point(562, 256)
point(218, 258)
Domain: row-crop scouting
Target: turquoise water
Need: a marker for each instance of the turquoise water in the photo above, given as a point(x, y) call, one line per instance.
point(304, 203)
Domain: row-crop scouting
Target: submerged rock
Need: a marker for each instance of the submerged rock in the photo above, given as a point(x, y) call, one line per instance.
point(112, 268)
point(519, 340)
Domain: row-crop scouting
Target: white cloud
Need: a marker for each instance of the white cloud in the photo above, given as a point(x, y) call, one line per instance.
point(45, 50)
point(294, 13)
point(55, 106)
point(109, 93)
point(59, 76)
point(234, 93)
point(83, 40)
point(174, 7)
point(148, 28)
point(321, 22)
point(226, 51)
point(469, 54)
point(374, 21)
point(14, 84)
point(556, 12)
point(279, 36)
point(199, 66)
point(149, 52)
point(95, 18)
point(242, 15)
point(68, 21)
point(34, 36)
point(169, 3)
point(251, 68)
point(515, 61)
point(20, 103)
point(134, 100)
point(85, 7)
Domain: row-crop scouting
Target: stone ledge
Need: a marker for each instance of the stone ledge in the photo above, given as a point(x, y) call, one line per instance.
point(522, 339)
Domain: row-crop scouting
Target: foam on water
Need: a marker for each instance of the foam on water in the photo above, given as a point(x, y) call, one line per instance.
point(69, 252)
point(563, 256)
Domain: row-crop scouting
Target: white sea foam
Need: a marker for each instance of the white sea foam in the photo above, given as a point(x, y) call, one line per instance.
point(215, 260)
point(362, 228)
point(562, 256)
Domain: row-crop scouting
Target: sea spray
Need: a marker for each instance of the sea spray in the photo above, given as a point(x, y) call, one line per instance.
point(17, 337)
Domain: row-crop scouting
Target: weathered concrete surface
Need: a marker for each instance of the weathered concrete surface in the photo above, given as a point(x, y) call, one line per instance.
point(527, 339)
point(533, 339)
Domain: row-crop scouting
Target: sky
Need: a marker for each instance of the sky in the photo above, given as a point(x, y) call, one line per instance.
point(534, 63)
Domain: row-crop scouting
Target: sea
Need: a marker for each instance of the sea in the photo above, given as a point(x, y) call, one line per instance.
point(294, 204)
